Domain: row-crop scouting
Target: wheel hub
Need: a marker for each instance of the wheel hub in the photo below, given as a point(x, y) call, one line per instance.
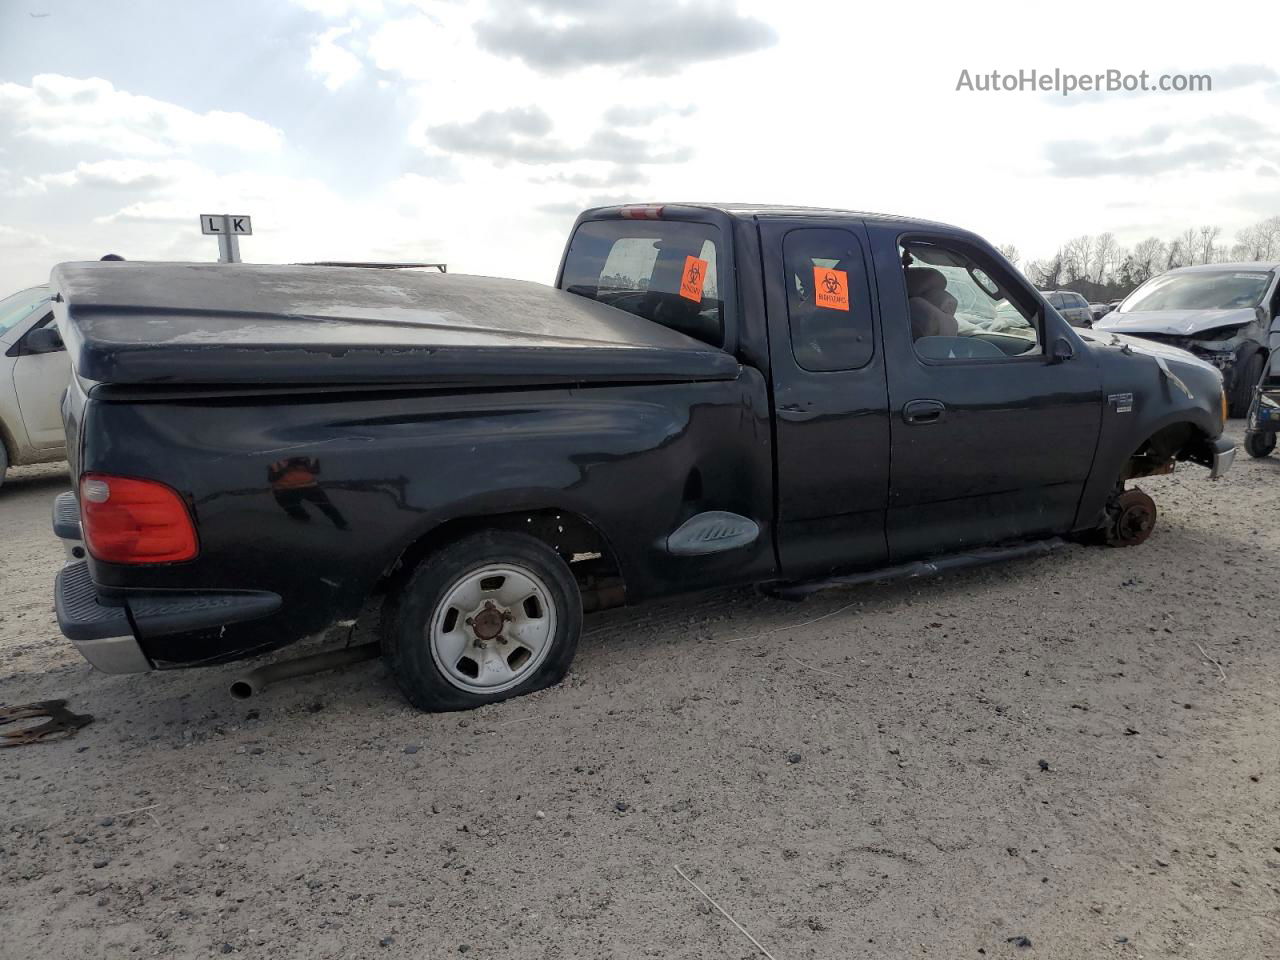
point(1136, 521)
point(1133, 518)
point(488, 622)
point(492, 628)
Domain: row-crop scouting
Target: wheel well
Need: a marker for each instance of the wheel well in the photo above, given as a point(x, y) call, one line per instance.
point(1159, 452)
point(587, 551)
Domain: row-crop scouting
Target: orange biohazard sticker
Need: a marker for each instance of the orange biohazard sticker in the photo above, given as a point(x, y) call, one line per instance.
point(831, 288)
point(695, 273)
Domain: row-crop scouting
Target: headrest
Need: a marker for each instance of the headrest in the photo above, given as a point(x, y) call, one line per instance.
point(925, 282)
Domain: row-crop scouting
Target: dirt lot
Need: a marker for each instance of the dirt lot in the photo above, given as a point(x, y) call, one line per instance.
point(856, 776)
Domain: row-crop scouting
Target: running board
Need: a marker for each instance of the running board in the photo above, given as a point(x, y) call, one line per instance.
point(920, 568)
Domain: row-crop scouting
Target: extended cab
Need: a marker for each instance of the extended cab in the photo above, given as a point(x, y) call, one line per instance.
point(713, 395)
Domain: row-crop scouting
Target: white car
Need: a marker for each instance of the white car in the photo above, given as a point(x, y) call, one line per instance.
point(34, 372)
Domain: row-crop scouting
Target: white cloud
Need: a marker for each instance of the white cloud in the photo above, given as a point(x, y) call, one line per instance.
point(13, 239)
point(433, 44)
point(121, 173)
point(70, 111)
point(335, 65)
point(452, 131)
point(337, 9)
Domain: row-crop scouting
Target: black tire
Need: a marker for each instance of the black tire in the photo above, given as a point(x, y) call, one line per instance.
point(1259, 445)
point(1247, 377)
point(409, 612)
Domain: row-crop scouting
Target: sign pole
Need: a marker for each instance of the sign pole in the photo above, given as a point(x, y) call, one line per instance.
point(227, 228)
point(233, 242)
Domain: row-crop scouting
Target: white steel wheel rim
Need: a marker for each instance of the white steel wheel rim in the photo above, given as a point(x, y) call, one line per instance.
point(493, 628)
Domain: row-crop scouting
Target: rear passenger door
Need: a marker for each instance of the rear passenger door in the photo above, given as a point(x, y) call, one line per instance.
point(831, 412)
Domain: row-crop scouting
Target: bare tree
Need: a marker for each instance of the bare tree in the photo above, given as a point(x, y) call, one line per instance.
point(1261, 241)
point(1078, 257)
point(1010, 253)
point(1189, 246)
point(1104, 251)
point(1101, 260)
point(1046, 274)
point(1149, 258)
point(1208, 242)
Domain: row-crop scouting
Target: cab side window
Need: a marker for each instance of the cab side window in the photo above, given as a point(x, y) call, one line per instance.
point(959, 311)
point(828, 301)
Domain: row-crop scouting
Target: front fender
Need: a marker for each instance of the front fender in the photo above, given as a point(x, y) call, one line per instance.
point(1140, 402)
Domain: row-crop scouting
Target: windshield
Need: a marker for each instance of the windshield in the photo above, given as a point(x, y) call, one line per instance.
point(18, 306)
point(1200, 290)
point(664, 271)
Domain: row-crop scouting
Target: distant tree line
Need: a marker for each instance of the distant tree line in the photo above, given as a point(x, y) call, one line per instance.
point(1096, 266)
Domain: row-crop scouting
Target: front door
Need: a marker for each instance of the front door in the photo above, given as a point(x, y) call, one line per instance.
point(38, 381)
point(832, 429)
point(993, 426)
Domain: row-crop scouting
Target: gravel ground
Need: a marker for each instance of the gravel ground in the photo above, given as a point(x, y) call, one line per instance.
point(861, 775)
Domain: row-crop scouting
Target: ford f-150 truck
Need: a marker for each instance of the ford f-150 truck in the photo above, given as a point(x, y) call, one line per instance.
point(710, 395)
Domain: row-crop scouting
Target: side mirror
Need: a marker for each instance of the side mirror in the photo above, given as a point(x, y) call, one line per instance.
point(44, 340)
point(1061, 350)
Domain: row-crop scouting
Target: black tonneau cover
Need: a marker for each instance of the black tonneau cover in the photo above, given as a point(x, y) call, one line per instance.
point(235, 324)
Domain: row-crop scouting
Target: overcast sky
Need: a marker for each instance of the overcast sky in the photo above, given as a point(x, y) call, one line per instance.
point(472, 132)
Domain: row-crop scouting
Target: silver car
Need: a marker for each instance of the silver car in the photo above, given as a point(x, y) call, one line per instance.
point(1073, 307)
point(1221, 312)
point(34, 371)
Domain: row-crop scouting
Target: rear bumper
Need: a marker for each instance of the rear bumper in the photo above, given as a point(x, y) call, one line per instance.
point(111, 632)
point(102, 634)
point(1224, 455)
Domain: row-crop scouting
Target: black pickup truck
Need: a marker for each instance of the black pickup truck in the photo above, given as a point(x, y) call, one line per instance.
point(710, 395)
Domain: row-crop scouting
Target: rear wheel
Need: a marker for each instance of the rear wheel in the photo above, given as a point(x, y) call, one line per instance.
point(1130, 519)
point(1259, 445)
point(492, 616)
point(1247, 377)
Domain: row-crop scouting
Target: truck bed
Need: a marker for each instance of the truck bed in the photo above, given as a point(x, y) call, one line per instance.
point(234, 324)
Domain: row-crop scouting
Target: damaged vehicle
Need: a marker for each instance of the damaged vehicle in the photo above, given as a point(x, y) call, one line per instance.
point(710, 395)
point(1263, 419)
point(1220, 312)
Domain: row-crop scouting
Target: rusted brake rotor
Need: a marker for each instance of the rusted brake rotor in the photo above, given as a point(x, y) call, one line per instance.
point(1132, 518)
point(61, 723)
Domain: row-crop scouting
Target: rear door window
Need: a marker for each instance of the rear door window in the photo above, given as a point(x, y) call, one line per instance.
point(828, 301)
point(664, 271)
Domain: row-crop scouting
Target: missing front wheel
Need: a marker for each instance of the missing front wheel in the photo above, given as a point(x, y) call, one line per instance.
point(1131, 516)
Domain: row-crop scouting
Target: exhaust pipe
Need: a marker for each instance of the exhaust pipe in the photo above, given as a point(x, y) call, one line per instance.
point(255, 681)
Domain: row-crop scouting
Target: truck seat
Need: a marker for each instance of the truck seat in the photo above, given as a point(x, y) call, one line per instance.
point(933, 309)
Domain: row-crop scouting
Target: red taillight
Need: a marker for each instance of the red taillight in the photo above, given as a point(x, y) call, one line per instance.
point(642, 212)
point(134, 521)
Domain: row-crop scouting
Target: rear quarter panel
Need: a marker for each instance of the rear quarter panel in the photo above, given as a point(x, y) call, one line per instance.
point(315, 498)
